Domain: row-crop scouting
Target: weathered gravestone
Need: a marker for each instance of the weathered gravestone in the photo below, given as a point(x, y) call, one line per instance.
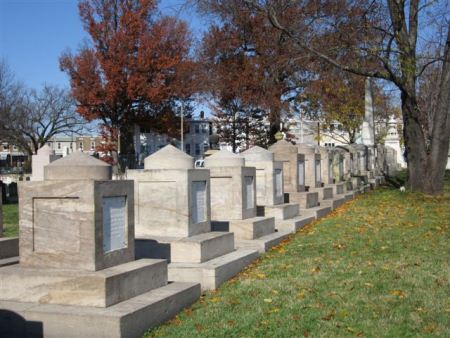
point(332, 199)
point(233, 202)
point(44, 156)
point(77, 267)
point(173, 221)
point(270, 191)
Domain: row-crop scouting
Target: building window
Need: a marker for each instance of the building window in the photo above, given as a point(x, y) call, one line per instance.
point(197, 149)
point(71, 145)
point(5, 147)
point(59, 145)
point(80, 145)
point(197, 128)
point(204, 128)
point(188, 149)
point(92, 145)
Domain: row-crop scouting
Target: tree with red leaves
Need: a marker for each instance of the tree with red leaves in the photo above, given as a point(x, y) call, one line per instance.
point(135, 70)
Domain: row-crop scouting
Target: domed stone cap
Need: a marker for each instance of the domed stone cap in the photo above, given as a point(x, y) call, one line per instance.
point(283, 144)
point(224, 158)
point(307, 149)
point(169, 157)
point(257, 153)
point(45, 150)
point(77, 166)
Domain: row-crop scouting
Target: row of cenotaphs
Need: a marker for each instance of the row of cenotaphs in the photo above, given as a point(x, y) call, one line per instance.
point(113, 258)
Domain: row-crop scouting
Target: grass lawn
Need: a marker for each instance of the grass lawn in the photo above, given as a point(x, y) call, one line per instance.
point(10, 220)
point(377, 267)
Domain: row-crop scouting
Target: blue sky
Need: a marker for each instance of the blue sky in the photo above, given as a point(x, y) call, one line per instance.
point(34, 33)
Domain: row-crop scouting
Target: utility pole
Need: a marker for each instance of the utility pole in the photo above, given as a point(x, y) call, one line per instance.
point(182, 132)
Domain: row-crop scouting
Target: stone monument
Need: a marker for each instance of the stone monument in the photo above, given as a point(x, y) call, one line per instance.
point(337, 189)
point(295, 178)
point(392, 140)
point(270, 191)
point(44, 156)
point(233, 202)
point(173, 221)
point(77, 267)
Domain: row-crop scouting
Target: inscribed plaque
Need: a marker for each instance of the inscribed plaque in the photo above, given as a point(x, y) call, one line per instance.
point(278, 182)
point(114, 223)
point(318, 172)
point(301, 172)
point(198, 201)
point(248, 181)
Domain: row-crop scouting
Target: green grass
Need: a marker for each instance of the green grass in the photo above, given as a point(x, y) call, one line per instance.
point(10, 220)
point(377, 267)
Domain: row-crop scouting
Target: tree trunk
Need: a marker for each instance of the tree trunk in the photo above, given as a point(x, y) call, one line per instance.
point(127, 153)
point(426, 166)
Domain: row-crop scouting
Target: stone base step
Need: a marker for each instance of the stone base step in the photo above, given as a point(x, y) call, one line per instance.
point(338, 188)
point(264, 243)
point(293, 224)
point(250, 228)
point(281, 211)
point(101, 288)
point(324, 192)
point(213, 273)
point(304, 199)
point(9, 247)
point(348, 186)
point(334, 203)
point(201, 248)
point(128, 319)
point(317, 212)
point(349, 196)
point(9, 261)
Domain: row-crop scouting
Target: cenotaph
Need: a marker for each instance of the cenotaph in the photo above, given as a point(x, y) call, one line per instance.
point(233, 202)
point(173, 221)
point(44, 156)
point(77, 274)
point(295, 178)
point(9, 246)
point(326, 156)
point(270, 191)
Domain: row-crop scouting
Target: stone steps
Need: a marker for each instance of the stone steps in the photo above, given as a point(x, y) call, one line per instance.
point(281, 211)
point(318, 212)
point(262, 244)
point(213, 273)
point(293, 224)
point(334, 203)
point(304, 199)
point(252, 228)
point(324, 192)
point(127, 319)
point(201, 248)
point(101, 288)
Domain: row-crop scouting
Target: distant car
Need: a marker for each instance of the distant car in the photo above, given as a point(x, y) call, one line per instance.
point(199, 163)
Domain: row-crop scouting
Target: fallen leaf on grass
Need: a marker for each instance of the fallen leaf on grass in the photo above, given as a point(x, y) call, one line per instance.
point(315, 270)
point(268, 300)
point(260, 276)
point(215, 300)
point(329, 316)
point(398, 293)
point(274, 310)
point(301, 294)
point(369, 285)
